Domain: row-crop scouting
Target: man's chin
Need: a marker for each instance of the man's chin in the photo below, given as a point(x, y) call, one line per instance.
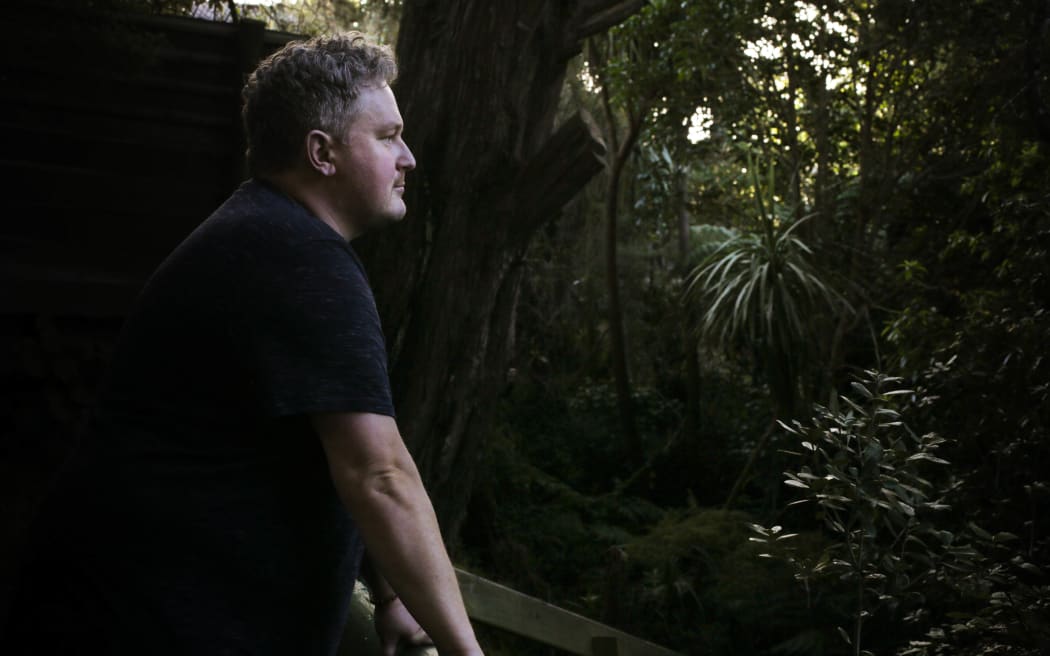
point(397, 212)
point(394, 216)
point(384, 219)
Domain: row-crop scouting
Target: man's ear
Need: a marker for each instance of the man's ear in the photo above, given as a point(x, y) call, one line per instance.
point(319, 152)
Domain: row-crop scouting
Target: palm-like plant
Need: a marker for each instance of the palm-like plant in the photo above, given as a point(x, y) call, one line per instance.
point(761, 291)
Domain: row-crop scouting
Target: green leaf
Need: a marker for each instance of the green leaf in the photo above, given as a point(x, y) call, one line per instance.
point(922, 455)
point(845, 635)
point(980, 532)
point(862, 390)
point(898, 392)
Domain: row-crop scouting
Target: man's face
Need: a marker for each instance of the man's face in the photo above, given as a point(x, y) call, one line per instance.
point(372, 160)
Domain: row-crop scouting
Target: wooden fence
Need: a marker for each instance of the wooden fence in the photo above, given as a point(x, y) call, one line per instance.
point(504, 608)
point(121, 134)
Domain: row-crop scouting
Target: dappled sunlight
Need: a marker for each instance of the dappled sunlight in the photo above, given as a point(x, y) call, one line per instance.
point(700, 124)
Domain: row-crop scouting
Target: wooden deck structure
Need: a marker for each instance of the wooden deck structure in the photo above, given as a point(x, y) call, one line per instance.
point(504, 608)
point(121, 134)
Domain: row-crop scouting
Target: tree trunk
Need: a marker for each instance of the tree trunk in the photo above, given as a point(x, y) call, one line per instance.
point(618, 337)
point(794, 159)
point(823, 207)
point(479, 89)
point(745, 473)
point(691, 421)
point(617, 334)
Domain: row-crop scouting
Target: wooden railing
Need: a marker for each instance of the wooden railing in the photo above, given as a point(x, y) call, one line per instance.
point(504, 608)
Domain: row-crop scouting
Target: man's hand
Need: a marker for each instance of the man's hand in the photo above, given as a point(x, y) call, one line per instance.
point(396, 628)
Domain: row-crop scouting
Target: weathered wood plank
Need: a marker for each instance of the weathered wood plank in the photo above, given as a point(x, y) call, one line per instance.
point(502, 607)
point(499, 606)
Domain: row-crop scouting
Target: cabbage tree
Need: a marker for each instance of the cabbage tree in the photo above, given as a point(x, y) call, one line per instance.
point(761, 292)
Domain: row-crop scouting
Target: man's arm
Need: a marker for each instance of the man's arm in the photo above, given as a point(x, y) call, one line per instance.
point(394, 625)
point(378, 587)
point(379, 484)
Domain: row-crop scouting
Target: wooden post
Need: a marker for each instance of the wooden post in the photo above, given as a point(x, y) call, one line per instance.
point(604, 646)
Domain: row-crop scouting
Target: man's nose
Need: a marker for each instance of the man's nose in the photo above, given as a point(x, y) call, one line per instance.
point(408, 160)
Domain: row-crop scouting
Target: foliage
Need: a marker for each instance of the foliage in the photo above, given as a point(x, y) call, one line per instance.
point(762, 289)
point(916, 144)
point(972, 328)
point(540, 521)
point(999, 606)
point(377, 18)
point(864, 479)
point(569, 435)
point(701, 579)
point(709, 239)
point(912, 142)
point(973, 331)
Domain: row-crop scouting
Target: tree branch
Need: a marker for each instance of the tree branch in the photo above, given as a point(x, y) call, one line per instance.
point(599, 16)
point(573, 155)
point(596, 16)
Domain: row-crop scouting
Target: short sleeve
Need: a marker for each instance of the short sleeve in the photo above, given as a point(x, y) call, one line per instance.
point(308, 333)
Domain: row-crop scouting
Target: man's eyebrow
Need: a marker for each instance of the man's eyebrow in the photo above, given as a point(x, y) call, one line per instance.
point(394, 125)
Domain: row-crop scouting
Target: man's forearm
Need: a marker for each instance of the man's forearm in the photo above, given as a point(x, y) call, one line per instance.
point(378, 587)
point(397, 521)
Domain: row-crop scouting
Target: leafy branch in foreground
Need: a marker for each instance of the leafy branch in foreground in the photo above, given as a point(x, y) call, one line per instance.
point(861, 470)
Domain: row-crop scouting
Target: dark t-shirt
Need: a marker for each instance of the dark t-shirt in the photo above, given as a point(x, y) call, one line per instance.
point(199, 510)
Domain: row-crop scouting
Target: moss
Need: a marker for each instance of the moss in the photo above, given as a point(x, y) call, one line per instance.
point(704, 586)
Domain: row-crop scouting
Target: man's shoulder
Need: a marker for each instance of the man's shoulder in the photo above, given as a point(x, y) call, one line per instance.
point(258, 214)
point(256, 240)
point(260, 233)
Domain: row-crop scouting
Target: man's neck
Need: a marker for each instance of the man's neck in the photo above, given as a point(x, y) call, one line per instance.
point(311, 196)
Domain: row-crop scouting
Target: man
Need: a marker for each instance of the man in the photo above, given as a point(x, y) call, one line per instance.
point(244, 445)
